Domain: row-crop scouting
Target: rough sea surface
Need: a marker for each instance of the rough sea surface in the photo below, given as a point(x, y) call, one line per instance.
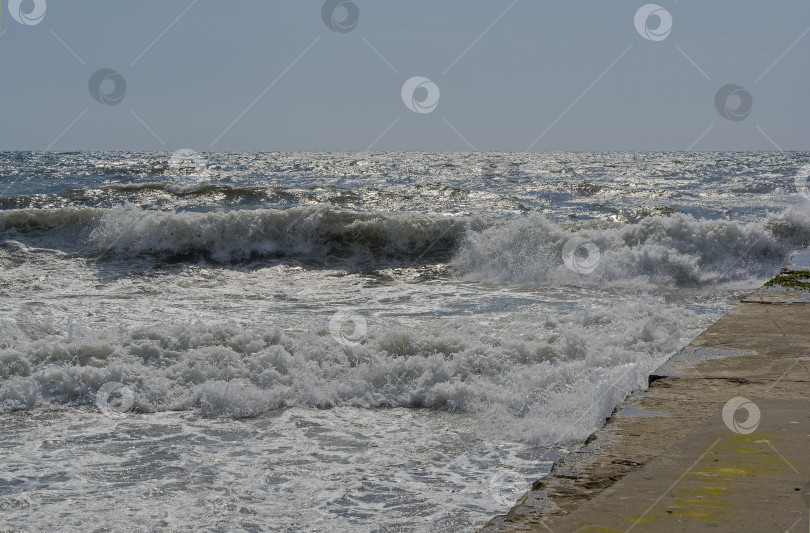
point(348, 341)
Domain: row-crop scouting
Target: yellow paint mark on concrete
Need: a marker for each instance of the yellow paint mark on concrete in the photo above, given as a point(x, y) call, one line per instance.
point(706, 492)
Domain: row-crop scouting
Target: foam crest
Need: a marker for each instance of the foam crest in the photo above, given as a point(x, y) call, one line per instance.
point(678, 250)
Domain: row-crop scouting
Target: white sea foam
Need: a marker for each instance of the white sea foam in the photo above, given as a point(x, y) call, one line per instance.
point(528, 379)
point(676, 250)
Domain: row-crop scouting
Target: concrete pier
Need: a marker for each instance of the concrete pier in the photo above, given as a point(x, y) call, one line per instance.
point(720, 441)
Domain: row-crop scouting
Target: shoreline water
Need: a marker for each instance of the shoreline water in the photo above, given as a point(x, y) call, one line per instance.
point(634, 472)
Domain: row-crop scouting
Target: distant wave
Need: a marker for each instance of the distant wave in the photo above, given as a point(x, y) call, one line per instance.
point(189, 187)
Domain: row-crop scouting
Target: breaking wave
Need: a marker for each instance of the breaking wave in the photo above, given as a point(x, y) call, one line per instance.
point(678, 249)
point(675, 250)
point(529, 384)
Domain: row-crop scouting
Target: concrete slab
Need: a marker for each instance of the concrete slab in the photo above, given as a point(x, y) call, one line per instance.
point(714, 479)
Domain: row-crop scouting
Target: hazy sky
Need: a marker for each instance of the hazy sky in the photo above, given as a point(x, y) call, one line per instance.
point(508, 75)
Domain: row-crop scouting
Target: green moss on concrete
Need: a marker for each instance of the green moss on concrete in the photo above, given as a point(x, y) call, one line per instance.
point(791, 279)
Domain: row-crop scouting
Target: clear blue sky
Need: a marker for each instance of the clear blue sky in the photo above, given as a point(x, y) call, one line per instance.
point(516, 82)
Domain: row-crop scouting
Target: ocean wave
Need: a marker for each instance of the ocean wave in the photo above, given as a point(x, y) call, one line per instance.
point(38, 220)
point(530, 381)
point(658, 247)
point(303, 233)
point(673, 250)
point(185, 186)
point(313, 233)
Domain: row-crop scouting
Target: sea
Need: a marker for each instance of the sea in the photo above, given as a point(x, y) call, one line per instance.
point(351, 342)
